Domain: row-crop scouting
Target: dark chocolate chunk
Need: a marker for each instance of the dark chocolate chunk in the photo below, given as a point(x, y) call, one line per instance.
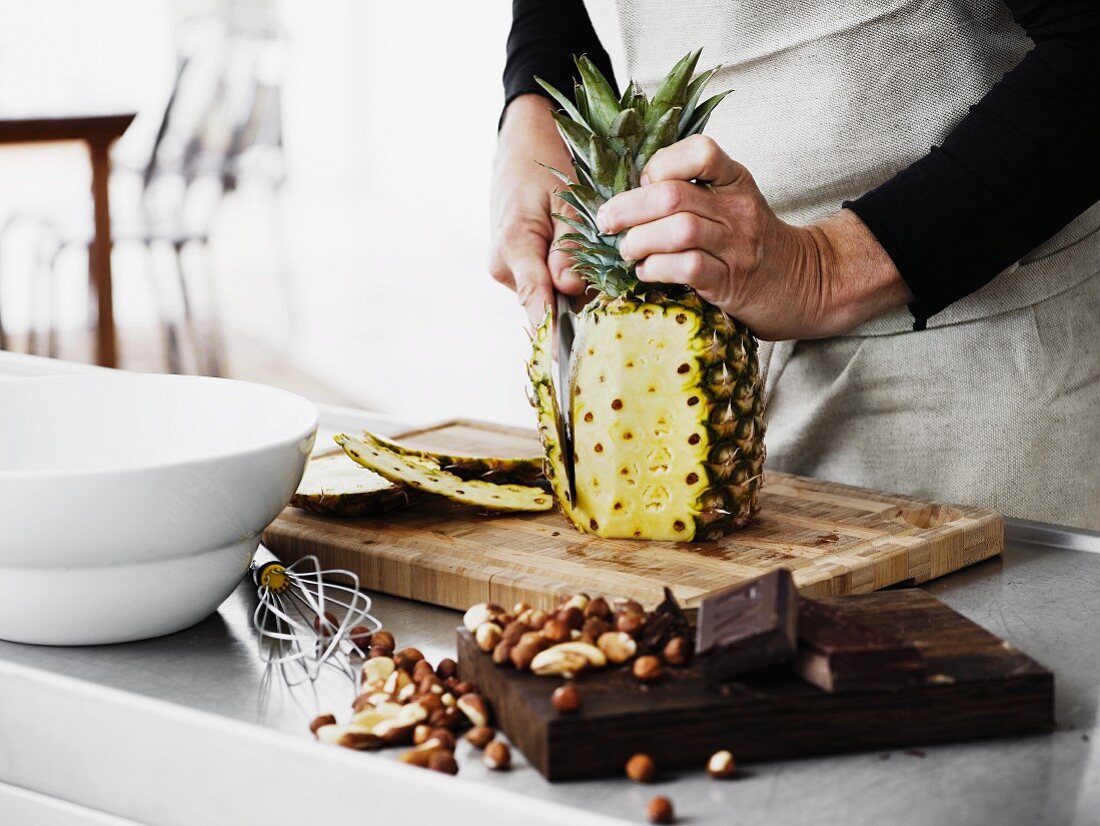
point(667, 621)
point(837, 654)
point(748, 626)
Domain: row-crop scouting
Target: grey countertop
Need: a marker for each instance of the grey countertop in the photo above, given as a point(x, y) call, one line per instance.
point(176, 730)
point(1043, 600)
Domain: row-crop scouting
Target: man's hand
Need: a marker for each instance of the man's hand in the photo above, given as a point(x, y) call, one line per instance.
point(724, 240)
point(524, 235)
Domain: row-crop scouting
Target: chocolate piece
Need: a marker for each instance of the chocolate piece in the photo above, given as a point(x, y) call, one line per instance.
point(667, 621)
point(838, 654)
point(748, 626)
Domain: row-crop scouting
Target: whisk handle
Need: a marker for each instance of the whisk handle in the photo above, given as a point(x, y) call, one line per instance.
point(261, 561)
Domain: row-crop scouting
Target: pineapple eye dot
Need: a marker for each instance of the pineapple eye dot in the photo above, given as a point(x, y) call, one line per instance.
point(694, 400)
point(683, 368)
point(593, 524)
point(628, 435)
point(681, 318)
point(618, 506)
point(618, 334)
point(692, 478)
point(678, 525)
point(539, 500)
point(577, 390)
point(652, 389)
point(693, 439)
point(460, 492)
point(598, 448)
point(603, 379)
point(624, 471)
point(630, 364)
point(617, 404)
point(588, 416)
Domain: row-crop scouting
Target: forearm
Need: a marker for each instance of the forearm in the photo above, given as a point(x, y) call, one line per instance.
point(544, 38)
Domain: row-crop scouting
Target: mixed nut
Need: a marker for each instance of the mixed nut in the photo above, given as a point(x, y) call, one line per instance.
point(403, 700)
point(583, 634)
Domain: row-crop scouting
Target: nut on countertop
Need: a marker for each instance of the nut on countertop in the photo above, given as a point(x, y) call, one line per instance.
point(647, 668)
point(497, 756)
point(659, 810)
point(566, 699)
point(721, 765)
point(641, 769)
point(480, 736)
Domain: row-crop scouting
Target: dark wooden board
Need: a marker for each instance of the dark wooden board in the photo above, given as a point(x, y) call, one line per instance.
point(978, 687)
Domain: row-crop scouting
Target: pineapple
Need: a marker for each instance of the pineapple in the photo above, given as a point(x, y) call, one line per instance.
point(667, 402)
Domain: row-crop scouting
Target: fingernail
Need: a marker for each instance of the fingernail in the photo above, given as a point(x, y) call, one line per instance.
point(639, 269)
point(601, 222)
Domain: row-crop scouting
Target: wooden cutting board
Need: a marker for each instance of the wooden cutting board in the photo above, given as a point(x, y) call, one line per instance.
point(836, 539)
point(977, 686)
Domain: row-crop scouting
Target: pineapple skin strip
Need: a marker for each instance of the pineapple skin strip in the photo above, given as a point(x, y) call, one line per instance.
point(420, 475)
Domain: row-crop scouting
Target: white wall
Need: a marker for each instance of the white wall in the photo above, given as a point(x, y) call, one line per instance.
point(390, 119)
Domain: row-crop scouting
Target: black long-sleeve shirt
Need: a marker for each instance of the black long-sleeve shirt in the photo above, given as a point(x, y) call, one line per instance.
point(1023, 163)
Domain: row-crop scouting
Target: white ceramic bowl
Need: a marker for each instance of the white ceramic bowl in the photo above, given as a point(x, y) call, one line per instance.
point(130, 505)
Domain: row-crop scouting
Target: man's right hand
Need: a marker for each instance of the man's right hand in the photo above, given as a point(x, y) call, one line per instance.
point(523, 255)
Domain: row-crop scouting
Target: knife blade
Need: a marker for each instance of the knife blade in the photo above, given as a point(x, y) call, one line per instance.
point(564, 333)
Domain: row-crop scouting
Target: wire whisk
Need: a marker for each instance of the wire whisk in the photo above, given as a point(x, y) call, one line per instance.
point(307, 618)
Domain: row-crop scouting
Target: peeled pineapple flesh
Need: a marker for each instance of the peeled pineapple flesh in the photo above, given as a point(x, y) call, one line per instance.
point(334, 485)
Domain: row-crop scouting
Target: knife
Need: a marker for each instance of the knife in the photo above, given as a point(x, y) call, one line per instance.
point(564, 333)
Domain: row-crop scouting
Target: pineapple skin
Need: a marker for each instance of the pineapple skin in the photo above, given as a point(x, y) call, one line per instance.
point(668, 419)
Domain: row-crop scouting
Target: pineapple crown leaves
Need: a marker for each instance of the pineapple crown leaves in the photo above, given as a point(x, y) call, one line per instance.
point(611, 138)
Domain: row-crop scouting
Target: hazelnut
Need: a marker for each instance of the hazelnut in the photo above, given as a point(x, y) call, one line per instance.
point(487, 635)
point(360, 636)
point(422, 669)
point(475, 709)
point(407, 658)
point(480, 736)
point(537, 619)
point(327, 625)
point(647, 668)
point(379, 651)
point(446, 668)
point(322, 720)
point(430, 702)
point(460, 687)
point(571, 615)
point(721, 765)
point(444, 736)
point(629, 623)
point(566, 699)
point(498, 756)
point(677, 651)
point(383, 638)
point(597, 609)
point(659, 810)
point(617, 646)
point(443, 761)
point(593, 628)
point(578, 601)
point(628, 606)
point(556, 630)
point(641, 769)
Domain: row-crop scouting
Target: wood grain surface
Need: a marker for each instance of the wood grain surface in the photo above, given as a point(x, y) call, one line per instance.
point(835, 539)
point(978, 686)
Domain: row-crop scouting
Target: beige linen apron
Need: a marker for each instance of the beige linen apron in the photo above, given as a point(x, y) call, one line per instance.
point(997, 403)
